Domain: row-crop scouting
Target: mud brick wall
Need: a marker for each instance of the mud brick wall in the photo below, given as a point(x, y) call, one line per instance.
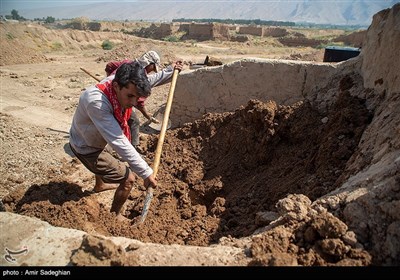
point(200, 31)
point(226, 87)
point(167, 29)
point(355, 39)
point(208, 31)
point(275, 32)
point(221, 31)
point(385, 58)
point(184, 27)
point(117, 26)
point(301, 41)
point(251, 30)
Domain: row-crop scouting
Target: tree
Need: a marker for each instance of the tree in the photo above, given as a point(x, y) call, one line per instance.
point(15, 15)
point(50, 20)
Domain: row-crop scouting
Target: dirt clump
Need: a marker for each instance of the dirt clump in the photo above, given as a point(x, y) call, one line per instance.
point(98, 251)
point(307, 235)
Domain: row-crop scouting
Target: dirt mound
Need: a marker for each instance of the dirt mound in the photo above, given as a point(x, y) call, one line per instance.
point(137, 47)
point(34, 42)
point(9, 42)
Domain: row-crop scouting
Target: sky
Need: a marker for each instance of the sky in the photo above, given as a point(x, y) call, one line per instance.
point(33, 4)
point(8, 5)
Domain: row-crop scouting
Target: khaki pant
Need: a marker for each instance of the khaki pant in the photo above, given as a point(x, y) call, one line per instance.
point(105, 165)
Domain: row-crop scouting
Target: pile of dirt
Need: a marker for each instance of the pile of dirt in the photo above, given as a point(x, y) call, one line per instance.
point(34, 42)
point(9, 42)
point(137, 47)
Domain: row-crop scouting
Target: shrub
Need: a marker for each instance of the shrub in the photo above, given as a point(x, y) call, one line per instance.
point(10, 36)
point(107, 45)
point(174, 37)
point(171, 38)
point(56, 46)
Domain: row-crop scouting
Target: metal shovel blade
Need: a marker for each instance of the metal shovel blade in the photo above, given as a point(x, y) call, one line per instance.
point(159, 115)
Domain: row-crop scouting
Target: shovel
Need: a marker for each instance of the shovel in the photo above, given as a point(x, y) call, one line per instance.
point(91, 75)
point(159, 115)
point(156, 163)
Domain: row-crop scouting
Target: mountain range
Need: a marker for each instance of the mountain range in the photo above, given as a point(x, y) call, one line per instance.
point(339, 12)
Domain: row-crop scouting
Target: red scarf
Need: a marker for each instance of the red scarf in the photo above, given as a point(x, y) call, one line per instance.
point(122, 116)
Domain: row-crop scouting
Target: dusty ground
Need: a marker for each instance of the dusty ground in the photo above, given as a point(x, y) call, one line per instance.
point(215, 184)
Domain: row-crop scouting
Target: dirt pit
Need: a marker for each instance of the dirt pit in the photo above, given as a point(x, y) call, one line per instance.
point(217, 177)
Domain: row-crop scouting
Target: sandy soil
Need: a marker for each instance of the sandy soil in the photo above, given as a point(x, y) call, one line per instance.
point(214, 183)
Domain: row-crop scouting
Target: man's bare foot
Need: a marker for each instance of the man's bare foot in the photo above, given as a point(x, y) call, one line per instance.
point(100, 186)
point(104, 187)
point(123, 219)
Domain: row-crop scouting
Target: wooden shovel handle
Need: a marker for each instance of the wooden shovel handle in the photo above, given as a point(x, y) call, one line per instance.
point(164, 125)
point(157, 157)
point(91, 75)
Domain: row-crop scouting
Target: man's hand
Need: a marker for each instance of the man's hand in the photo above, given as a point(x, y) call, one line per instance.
point(154, 120)
point(178, 65)
point(150, 182)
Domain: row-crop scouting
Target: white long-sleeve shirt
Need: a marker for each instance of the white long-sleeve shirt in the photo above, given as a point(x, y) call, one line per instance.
point(94, 125)
point(161, 77)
